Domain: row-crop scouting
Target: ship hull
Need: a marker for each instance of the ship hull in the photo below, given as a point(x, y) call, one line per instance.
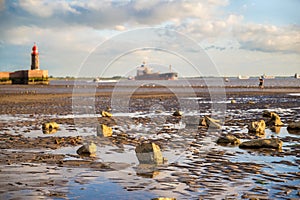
point(164, 76)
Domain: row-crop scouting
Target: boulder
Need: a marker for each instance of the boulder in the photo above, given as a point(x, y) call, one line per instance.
point(273, 143)
point(177, 113)
point(251, 102)
point(49, 127)
point(294, 127)
point(228, 139)
point(257, 127)
point(87, 150)
point(149, 153)
point(106, 114)
point(210, 123)
point(273, 119)
point(104, 131)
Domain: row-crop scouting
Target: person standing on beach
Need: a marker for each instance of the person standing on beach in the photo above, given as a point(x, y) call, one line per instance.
point(261, 82)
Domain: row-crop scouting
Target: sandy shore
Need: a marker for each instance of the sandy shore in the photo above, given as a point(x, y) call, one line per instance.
point(204, 169)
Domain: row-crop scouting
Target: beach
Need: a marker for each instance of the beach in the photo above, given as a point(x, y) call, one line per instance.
point(46, 165)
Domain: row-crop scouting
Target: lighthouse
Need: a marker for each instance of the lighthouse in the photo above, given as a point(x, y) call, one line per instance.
point(35, 58)
point(33, 76)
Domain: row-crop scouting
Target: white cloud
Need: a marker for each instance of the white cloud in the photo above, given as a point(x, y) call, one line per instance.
point(44, 8)
point(120, 28)
point(268, 37)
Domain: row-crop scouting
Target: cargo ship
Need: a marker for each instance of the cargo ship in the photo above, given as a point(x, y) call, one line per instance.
point(145, 73)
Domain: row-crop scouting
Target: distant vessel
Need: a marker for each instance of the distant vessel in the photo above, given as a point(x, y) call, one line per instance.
point(145, 73)
point(297, 75)
point(98, 80)
point(243, 77)
point(268, 77)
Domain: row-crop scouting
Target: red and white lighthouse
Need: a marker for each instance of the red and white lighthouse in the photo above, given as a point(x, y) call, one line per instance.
point(35, 58)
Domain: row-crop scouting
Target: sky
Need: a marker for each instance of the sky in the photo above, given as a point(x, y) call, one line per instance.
point(112, 38)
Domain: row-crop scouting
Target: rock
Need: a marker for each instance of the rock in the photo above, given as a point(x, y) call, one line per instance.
point(228, 139)
point(210, 123)
point(104, 131)
point(251, 102)
point(177, 113)
point(149, 153)
point(50, 127)
point(87, 150)
point(274, 119)
point(273, 143)
point(233, 101)
point(106, 114)
point(257, 127)
point(294, 126)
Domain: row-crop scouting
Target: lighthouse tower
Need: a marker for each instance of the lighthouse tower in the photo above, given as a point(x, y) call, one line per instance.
point(35, 58)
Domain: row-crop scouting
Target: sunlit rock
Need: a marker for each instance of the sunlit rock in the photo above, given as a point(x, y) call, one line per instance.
point(88, 150)
point(106, 114)
point(257, 127)
point(104, 130)
point(273, 143)
point(149, 153)
point(228, 139)
point(177, 113)
point(50, 127)
point(273, 119)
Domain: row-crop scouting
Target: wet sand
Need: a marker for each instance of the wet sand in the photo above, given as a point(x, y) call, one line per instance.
point(36, 165)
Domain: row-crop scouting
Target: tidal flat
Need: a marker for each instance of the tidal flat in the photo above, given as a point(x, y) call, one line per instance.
point(35, 164)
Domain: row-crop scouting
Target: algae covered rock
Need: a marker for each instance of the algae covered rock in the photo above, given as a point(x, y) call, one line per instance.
point(273, 143)
point(87, 150)
point(257, 127)
point(149, 153)
point(228, 139)
point(210, 123)
point(294, 127)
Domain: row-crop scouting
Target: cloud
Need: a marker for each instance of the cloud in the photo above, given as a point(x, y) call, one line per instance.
point(120, 28)
point(268, 38)
point(44, 8)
